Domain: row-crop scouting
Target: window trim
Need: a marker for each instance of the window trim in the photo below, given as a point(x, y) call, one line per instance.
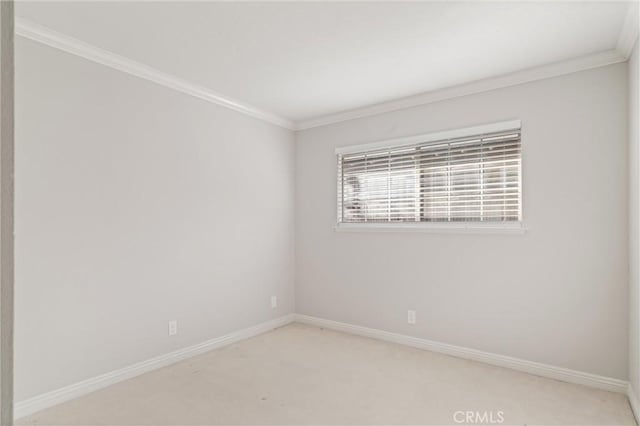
point(431, 137)
point(435, 228)
point(516, 227)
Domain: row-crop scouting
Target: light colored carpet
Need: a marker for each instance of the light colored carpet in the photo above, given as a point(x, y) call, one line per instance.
point(300, 374)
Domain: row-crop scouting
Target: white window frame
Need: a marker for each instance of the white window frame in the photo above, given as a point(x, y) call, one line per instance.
point(436, 227)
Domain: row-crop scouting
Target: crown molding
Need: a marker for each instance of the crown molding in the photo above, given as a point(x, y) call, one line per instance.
point(512, 79)
point(58, 396)
point(44, 35)
point(629, 31)
point(49, 37)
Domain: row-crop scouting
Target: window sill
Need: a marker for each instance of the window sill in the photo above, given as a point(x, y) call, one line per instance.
point(436, 228)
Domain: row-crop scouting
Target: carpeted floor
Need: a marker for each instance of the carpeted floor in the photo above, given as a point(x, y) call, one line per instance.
point(300, 374)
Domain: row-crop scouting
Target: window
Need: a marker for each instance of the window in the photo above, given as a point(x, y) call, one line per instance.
point(466, 177)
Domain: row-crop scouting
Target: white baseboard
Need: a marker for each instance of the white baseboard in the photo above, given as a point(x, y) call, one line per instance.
point(633, 402)
point(40, 402)
point(544, 370)
point(49, 399)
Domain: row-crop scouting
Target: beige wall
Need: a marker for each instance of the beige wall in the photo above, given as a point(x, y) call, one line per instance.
point(137, 205)
point(6, 210)
point(634, 225)
point(556, 295)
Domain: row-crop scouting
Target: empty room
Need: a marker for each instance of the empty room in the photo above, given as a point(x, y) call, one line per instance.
point(319, 213)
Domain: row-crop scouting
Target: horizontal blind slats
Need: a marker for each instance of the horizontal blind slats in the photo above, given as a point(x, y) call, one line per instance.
point(475, 178)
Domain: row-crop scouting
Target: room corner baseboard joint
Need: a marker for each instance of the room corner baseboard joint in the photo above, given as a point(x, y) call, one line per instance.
point(633, 402)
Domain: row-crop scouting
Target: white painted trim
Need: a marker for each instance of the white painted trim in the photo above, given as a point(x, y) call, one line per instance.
point(432, 137)
point(49, 37)
point(539, 369)
point(633, 402)
point(435, 228)
point(512, 79)
point(629, 31)
point(40, 402)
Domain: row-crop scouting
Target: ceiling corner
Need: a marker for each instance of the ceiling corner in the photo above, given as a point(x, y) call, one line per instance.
point(38, 33)
point(629, 30)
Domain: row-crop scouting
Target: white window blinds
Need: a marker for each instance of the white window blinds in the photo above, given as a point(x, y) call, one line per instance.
point(466, 179)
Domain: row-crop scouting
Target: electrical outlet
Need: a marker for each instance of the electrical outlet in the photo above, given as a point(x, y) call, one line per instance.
point(411, 317)
point(173, 328)
point(274, 302)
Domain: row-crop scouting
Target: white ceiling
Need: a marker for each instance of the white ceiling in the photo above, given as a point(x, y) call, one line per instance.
point(306, 60)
